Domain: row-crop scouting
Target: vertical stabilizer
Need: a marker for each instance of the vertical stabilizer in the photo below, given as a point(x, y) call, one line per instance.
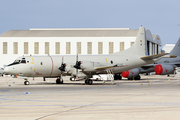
point(139, 47)
point(176, 49)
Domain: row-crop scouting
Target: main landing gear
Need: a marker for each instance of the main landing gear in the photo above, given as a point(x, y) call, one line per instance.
point(59, 81)
point(135, 78)
point(88, 82)
point(117, 77)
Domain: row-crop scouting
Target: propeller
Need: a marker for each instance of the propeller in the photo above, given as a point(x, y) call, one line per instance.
point(77, 66)
point(63, 66)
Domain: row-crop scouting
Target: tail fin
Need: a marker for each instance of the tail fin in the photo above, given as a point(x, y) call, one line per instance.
point(139, 47)
point(176, 49)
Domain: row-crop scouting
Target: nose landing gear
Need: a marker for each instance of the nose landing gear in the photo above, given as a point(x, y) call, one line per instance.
point(26, 82)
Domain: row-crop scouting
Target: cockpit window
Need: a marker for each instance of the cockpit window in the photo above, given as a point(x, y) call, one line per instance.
point(23, 61)
point(19, 61)
point(15, 62)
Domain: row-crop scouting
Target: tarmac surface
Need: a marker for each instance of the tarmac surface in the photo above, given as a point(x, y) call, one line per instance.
point(152, 98)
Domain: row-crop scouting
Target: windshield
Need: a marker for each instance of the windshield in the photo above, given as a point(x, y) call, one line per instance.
point(15, 62)
point(18, 61)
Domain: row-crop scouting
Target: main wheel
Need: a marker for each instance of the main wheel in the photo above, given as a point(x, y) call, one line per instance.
point(61, 81)
point(115, 77)
point(90, 82)
point(87, 81)
point(130, 78)
point(57, 81)
point(120, 77)
point(26, 82)
point(137, 77)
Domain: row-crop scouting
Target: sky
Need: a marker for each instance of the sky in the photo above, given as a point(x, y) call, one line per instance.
point(162, 17)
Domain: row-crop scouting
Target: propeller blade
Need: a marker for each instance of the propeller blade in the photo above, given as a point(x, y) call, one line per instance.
point(62, 59)
point(77, 68)
point(63, 65)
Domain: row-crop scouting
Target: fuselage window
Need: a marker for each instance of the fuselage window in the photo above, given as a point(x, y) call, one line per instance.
point(41, 63)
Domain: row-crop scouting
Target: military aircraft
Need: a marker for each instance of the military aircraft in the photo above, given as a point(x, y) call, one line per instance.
point(83, 66)
point(164, 66)
point(1, 71)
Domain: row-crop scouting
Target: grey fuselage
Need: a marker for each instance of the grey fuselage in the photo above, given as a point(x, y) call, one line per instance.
point(175, 62)
point(47, 66)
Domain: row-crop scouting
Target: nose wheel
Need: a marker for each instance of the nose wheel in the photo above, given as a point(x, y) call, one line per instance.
point(26, 83)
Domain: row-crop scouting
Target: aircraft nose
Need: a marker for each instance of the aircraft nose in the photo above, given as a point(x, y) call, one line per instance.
point(8, 70)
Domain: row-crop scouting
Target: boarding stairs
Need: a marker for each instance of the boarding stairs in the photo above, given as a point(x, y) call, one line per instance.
point(110, 75)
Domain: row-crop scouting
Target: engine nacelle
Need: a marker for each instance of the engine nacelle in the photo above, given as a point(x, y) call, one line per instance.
point(164, 69)
point(88, 66)
point(130, 73)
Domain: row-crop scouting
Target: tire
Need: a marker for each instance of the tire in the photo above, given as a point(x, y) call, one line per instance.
point(137, 77)
point(86, 81)
point(72, 79)
point(61, 81)
point(90, 82)
point(26, 82)
point(120, 77)
point(58, 81)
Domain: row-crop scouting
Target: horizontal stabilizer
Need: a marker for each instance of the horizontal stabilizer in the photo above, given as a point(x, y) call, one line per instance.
point(154, 56)
point(169, 56)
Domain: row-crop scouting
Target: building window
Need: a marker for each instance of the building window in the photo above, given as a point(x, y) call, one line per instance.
point(132, 43)
point(121, 46)
point(57, 48)
point(36, 48)
point(15, 47)
point(4, 47)
point(100, 47)
point(111, 47)
point(46, 47)
point(68, 48)
point(89, 48)
point(25, 47)
point(78, 47)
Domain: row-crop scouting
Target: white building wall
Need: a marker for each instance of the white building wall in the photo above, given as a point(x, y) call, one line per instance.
point(10, 57)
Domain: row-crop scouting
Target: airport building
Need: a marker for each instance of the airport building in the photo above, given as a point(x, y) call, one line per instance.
point(15, 43)
point(167, 48)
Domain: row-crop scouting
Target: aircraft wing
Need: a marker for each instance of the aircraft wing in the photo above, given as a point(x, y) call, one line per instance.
point(109, 66)
point(147, 66)
point(154, 56)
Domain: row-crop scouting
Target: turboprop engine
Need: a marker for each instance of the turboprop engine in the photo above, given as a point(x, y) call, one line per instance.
point(89, 66)
point(164, 69)
point(130, 73)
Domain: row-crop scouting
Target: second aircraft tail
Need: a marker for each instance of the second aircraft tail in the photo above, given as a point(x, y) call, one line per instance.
point(176, 49)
